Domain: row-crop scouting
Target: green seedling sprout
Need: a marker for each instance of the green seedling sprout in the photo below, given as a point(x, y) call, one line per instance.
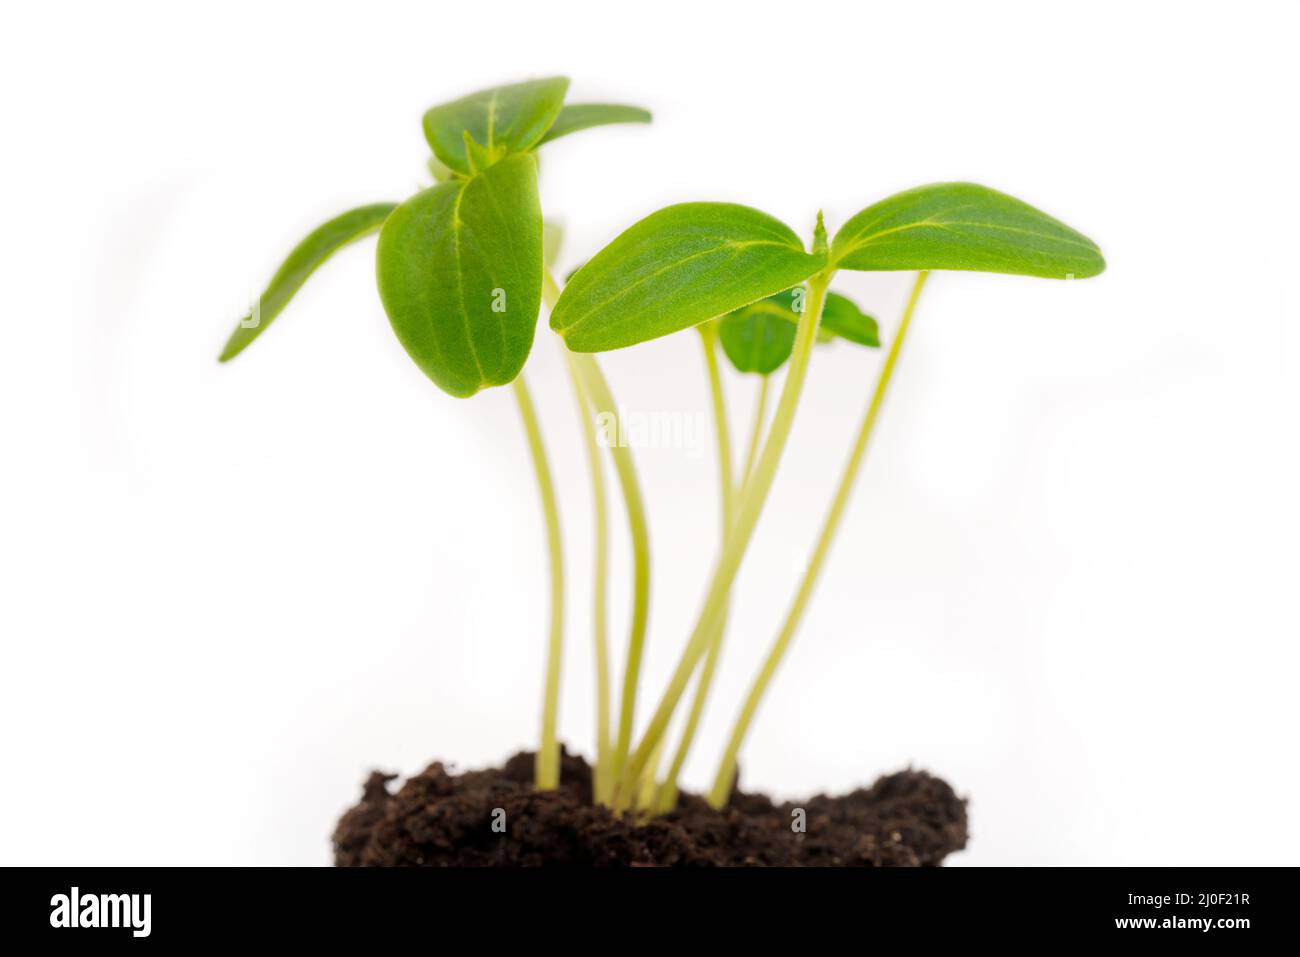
point(462, 271)
point(689, 263)
point(464, 267)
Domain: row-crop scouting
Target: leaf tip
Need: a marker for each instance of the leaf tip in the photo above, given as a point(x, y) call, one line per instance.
point(1100, 265)
point(1094, 267)
point(234, 345)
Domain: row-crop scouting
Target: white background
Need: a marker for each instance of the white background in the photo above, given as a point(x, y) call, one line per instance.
point(1068, 579)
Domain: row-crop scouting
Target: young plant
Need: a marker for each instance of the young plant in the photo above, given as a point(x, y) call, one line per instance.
point(464, 266)
point(461, 273)
point(689, 263)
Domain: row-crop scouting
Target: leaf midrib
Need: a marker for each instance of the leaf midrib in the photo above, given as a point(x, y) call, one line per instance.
point(456, 225)
point(947, 224)
point(492, 199)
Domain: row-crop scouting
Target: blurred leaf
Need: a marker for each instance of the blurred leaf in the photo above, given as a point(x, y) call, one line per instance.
point(552, 239)
point(758, 337)
point(582, 116)
point(320, 245)
point(842, 317)
point(439, 172)
point(964, 227)
point(460, 274)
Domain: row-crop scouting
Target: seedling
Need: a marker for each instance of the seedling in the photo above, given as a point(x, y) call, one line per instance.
point(462, 269)
point(464, 266)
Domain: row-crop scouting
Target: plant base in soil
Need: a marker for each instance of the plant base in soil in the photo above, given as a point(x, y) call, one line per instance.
point(441, 819)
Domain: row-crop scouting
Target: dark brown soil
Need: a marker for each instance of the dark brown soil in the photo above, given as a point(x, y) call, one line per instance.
point(439, 819)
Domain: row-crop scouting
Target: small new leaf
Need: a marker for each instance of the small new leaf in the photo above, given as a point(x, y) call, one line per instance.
point(320, 245)
point(842, 317)
point(459, 268)
point(963, 226)
point(758, 338)
point(480, 157)
point(504, 119)
point(675, 269)
point(582, 116)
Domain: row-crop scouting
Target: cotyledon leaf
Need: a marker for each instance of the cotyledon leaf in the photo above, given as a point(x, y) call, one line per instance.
point(581, 116)
point(963, 226)
point(459, 268)
point(320, 245)
point(675, 269)
point(500, 120)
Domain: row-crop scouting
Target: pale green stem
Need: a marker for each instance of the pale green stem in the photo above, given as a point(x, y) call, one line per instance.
point(725, 779)
point(760, 413)
point(602, 401)
point(600, 584)
point(721, 424)
point(602, 779)
point(742, 530)
point(646, 797)
point(666, 798)
point(547, 773)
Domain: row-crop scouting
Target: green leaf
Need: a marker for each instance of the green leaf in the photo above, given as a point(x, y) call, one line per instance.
point(758, 337)
point(842, 317)
point(319, 246)
point(966, 227)
point(675, 269)
point(460, 275)
point(504, 119)
point(582, 116)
